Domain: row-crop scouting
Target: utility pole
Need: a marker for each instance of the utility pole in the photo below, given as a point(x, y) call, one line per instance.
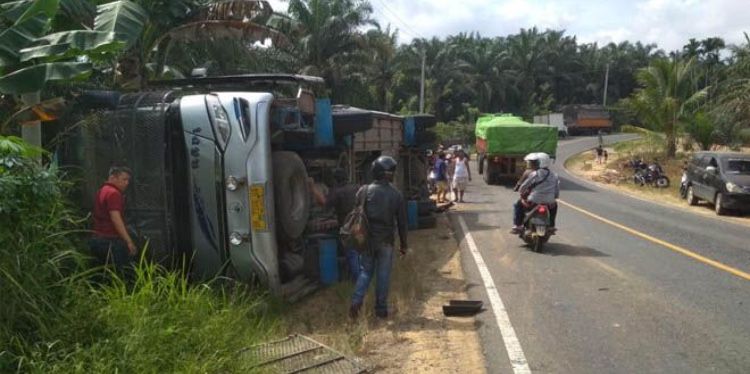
point(421, 86)
point(606, 83)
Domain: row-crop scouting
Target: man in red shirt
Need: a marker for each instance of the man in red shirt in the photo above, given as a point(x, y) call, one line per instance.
point(111, 242)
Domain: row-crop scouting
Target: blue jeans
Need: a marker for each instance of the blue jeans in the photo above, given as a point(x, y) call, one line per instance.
point(352, 259)
point(378, 262)
point(518, 211)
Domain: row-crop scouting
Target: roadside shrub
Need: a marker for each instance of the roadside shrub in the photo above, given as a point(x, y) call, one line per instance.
point(630, 129)
point(55, 319)
point(701, 130)
point(36, 255)
point(648, 147)
point(727, 130)
point(160, 324)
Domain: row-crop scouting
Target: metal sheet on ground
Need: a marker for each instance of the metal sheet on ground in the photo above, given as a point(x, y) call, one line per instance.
point(300, 354)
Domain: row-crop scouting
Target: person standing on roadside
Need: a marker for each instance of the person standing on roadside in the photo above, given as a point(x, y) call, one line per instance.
point(461, 175)
point(385, 211)
point(340, 198)
point(449, 170)
point(441, 178)
point(599, 154)
point(111, 242)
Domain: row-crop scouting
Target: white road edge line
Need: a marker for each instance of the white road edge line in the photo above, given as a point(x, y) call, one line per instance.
point(512, 345)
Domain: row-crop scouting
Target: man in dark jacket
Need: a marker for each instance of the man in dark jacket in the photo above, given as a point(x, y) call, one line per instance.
point(385, 211)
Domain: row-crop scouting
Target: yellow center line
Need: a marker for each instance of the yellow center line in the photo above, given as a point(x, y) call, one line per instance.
point(670, 246)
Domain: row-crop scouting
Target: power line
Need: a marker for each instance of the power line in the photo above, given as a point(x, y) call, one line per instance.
point(390, 21)
point(401, 21)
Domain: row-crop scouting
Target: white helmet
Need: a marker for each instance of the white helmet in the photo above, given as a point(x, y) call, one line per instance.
point(531, 157)
point(544, 160)
point(541, 158)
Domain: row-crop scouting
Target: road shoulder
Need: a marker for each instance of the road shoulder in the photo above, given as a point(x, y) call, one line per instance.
point(583, 168)
point(417, 338)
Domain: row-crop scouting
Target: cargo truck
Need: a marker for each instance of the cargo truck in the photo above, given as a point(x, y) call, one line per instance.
point(587, 119)
point(221, 167)
point(503, 141)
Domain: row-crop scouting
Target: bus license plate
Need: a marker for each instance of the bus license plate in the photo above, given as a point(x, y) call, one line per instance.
point(258, 207)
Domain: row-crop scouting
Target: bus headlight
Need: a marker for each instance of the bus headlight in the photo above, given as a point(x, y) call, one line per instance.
point(232, 183)
point(236, 238)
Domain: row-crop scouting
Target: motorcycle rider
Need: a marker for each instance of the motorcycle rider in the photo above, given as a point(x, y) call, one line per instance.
point(542, 186)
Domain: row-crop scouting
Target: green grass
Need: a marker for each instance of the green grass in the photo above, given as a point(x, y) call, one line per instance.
point(650, 146)
point(581, 158)
point(647, 148)
point(55, 319)
point(159, 323)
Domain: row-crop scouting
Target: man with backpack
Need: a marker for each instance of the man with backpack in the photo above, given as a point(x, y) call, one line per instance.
point(384, 208)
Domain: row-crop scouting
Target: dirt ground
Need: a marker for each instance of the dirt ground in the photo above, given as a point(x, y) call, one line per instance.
point(614, 176)
point(417, 337)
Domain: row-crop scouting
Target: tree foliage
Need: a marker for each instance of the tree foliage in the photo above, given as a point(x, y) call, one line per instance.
point(732, 112)
point(524, 73)
point(667, 98)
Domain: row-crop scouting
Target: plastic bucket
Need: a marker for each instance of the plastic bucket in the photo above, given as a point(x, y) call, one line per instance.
point(324, 123)
point(328, 260)
point(410, 131)
point(412, 214)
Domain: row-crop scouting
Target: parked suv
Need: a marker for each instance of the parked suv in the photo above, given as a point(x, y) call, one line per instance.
point(720, 178)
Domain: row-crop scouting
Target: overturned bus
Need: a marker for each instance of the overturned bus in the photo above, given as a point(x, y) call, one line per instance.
point(221, 167)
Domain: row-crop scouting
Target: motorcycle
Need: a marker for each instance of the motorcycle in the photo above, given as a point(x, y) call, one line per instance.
point(536, 227)
point(651, 175)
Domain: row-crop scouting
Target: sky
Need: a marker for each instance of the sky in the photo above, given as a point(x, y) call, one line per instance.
point(668, 23)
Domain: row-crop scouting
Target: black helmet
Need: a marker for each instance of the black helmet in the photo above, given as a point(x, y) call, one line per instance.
point(383, 166)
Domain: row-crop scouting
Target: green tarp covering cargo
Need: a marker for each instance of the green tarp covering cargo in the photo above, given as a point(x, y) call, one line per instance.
point(510, 135)
point(502, 142)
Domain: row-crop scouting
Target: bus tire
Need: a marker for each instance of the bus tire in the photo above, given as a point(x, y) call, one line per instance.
point(292, 194)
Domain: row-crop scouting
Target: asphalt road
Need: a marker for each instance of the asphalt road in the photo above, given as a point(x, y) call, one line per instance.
point(601, 299)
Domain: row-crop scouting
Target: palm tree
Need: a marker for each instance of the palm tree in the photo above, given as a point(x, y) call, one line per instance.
point(481, 59)
point(444, 77)
point(733, 110)
point(381, 65)
point(711, 47)
point(693, 49)
point(327, 37)
point(527, 57)
point(667, 97)
point(187, 32)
